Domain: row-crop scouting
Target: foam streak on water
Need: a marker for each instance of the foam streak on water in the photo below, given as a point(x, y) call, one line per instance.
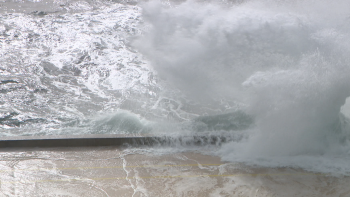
point(65, 62)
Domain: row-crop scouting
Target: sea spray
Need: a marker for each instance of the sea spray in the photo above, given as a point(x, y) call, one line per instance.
point(286, 61)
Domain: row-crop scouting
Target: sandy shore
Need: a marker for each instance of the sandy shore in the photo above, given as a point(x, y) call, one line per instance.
point(111, 171)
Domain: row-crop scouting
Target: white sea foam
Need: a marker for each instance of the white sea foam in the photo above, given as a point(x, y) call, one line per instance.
point(69, 64)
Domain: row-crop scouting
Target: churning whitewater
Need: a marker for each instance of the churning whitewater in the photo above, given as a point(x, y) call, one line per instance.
point(272, 76)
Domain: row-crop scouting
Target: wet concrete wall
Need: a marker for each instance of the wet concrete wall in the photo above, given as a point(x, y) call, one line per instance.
point(108, 140)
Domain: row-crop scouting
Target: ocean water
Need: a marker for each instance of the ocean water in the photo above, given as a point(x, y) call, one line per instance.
point(272, 76)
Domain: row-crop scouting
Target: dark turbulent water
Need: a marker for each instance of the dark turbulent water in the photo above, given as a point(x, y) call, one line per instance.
point(273, 75)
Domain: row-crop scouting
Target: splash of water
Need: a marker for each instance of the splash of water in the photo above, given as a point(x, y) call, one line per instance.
point(286, 61)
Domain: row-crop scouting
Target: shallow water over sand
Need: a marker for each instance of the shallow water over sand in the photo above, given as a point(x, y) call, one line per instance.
point(138, 172)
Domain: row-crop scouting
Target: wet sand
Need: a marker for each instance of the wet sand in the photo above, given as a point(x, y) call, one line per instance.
point(112, 171)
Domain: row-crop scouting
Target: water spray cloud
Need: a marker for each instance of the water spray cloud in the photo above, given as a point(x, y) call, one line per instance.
point(287, 62)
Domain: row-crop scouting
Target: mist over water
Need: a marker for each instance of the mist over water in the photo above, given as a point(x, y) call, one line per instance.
point(286, 61)
point(271, 75)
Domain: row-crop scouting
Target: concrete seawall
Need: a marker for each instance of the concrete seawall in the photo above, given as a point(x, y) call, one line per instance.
point(107, 140)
